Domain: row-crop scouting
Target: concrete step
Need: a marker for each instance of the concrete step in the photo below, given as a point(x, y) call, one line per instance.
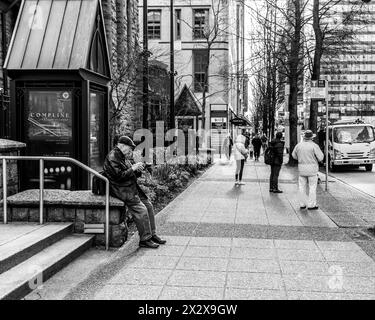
point(27, 276)
point(27, 243)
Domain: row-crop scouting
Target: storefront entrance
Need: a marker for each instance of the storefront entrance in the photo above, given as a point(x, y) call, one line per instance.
point(60, 90)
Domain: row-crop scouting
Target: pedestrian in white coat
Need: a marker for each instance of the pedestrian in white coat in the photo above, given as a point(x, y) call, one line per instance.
point(308, 155)
point(240, 154)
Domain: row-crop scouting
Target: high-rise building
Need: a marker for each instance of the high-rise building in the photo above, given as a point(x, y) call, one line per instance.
point(349, 65)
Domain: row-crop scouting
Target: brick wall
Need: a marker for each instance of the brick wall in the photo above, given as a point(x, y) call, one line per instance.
point(121, 23)
point(10, 18)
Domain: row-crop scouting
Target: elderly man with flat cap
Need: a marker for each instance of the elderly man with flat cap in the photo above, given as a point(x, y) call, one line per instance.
point(308, 155)
point(122, 172)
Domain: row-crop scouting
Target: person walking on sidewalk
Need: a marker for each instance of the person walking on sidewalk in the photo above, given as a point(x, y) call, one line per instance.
point(257, 144)
point(240, 154)
point(228, 145)
point(264, 140)
point(122, 173)
point(308, 155)
point(277, 147)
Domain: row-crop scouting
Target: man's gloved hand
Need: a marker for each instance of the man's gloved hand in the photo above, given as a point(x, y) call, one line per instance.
point(139, 166)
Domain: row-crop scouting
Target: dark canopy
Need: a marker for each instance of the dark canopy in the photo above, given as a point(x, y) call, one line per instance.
point(186, 104)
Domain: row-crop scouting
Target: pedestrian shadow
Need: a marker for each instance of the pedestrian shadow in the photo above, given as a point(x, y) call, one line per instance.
point(234, 192)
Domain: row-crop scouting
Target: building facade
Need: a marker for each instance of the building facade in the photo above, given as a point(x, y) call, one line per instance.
point(8, 15)
point(209, 55)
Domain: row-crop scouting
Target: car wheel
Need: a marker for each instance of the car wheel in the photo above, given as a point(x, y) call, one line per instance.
point(368, 167)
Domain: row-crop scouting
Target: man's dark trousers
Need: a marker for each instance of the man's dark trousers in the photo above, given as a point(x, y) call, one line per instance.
point(274, 179)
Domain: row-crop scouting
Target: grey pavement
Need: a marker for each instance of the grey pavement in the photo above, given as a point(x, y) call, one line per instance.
point(228, 242)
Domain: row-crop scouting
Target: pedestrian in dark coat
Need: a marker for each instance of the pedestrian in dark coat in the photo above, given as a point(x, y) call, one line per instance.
point(122, 173)
point(277, 147)
point(257, 144)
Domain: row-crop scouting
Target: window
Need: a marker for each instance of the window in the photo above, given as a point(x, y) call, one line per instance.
point(200, 63)
point(200, 22)
point(97, 62)
point(178, 24)
point(153, 24)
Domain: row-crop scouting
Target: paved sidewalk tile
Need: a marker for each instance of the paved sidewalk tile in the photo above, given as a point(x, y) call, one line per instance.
point(300, 254)
point(128, 292)
point(253, 253)
point(141, 277)
point(210, 242)
point(253, 265)
point(204, 252)
point(254, 280)
point(199, 264)
point(191, 293)
point(197, 279)
point(254, 294)
point(304, 267)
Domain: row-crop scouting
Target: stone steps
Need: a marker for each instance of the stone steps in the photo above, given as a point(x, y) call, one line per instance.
point(26, 276)
point(78, 207)
point(29, 243)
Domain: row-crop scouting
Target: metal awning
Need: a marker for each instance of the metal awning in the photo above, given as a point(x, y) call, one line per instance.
point(57, 35)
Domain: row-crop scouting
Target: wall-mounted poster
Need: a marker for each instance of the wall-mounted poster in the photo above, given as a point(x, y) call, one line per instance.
point(48, 132)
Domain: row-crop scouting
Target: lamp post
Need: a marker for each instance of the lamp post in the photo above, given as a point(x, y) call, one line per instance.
point(145, 66)
point(172, 71)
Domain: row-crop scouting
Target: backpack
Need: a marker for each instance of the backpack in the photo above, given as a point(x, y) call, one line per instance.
point(268, 156)
point(98, 185)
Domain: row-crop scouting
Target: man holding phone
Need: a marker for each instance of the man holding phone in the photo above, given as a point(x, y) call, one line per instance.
point(122, 172)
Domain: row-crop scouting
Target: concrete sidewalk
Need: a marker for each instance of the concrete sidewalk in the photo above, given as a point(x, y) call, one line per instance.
point(227, 242)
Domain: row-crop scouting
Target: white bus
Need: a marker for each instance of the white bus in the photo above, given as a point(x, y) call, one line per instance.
point(351, 144)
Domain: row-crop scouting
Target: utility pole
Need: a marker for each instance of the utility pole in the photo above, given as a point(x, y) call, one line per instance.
point(172, 71)
point(145, 66)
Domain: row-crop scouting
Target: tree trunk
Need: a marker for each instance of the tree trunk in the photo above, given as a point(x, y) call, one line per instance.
point(294, 62)
point(313, 120)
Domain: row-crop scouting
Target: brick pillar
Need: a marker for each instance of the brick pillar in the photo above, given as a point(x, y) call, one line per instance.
point(10, 148)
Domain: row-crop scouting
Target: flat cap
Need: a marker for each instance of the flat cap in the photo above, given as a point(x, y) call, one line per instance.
point(127, 141)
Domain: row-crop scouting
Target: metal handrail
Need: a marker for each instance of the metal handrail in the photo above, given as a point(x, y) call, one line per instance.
point(41, 185)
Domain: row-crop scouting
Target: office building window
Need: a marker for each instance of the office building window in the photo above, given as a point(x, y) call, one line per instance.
point(200, 17)
point(153, 24)
point(200, 61)
point(178, 24)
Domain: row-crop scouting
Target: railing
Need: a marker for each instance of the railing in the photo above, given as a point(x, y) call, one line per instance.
point(41, 185)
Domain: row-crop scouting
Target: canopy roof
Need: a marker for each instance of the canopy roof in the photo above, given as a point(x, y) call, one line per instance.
point(59, 35)
point(187, 104)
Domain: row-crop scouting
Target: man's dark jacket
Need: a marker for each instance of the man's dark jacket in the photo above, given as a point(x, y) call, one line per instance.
point(257, 143)
point(277, 147)
point(123, 180)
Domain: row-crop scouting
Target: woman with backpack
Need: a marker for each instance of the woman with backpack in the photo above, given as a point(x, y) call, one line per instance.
point(277, 149)
point(240, 154)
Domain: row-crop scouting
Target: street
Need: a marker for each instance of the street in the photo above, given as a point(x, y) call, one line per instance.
point(357, 178)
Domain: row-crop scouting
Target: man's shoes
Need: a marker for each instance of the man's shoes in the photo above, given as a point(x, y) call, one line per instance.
point(157, 240)
point(272, 190)
point(302, 207)
point(148, 244)
point(313, 208)
point(277, 191)
point(241, 183)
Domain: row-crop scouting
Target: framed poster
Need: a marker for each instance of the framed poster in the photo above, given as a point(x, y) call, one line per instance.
point(48, 132)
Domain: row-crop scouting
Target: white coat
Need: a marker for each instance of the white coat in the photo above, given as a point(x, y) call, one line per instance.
point(239, 149)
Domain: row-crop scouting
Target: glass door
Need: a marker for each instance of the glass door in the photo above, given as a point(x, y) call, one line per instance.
point(97, 136)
